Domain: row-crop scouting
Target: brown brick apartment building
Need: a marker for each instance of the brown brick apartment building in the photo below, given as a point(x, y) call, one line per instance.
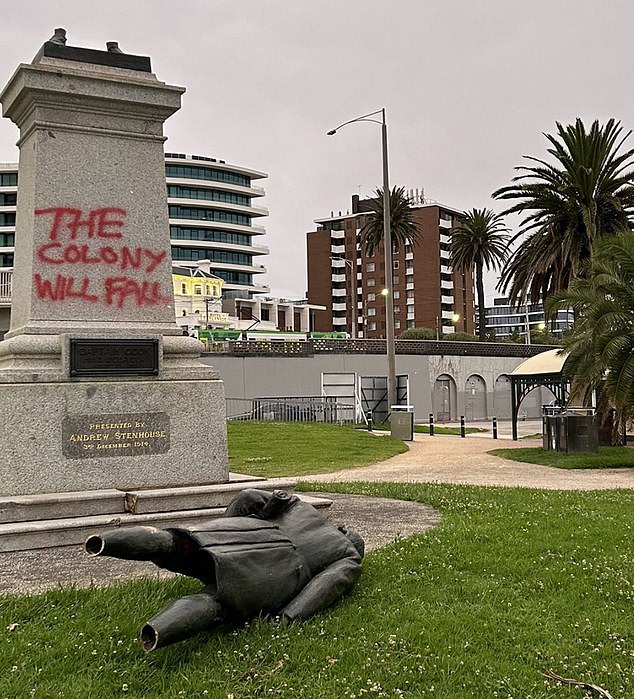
point(427, 291)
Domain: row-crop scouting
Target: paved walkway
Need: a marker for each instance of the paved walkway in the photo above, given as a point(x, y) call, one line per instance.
point(447, 459)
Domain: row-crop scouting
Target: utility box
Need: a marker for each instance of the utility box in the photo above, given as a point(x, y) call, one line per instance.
point(578, 433)
point(402, 422)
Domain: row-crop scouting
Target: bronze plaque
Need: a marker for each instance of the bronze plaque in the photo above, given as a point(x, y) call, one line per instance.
point(133, 434)
point(114, 357)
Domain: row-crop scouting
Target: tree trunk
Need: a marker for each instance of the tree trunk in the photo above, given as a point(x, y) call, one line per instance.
point(481, 304)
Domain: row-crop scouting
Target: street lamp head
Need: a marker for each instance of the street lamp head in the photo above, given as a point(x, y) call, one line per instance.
point(455, 317)
point(385, 292)
point(331, 133)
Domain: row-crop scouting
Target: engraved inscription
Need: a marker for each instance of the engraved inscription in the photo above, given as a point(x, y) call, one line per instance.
point(135, 434)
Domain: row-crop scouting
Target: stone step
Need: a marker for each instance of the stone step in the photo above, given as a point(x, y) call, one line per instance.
point(195, 497)
point(26, 508)
point(69, 531)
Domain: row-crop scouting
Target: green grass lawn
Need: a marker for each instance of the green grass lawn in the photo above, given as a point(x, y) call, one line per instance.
point(273, 449)
point(606, 457)
point(512, 582)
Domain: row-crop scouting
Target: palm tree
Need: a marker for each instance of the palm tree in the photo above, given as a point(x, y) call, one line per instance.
point(585, 194)
point(480, 241)
point(601, 342)
point(402, 225)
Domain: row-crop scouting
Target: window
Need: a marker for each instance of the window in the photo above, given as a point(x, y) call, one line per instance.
point(409, 264)
point(176, 192)
point(395, 264)
point(371, 282)
point(8, 179)
point(396, 279)
point(235, 277)
point(200, 173)
point(183, 288)
point(265, 314)
point(198, 290)
point(371, 326)
point(410, 293)
point(7, 219)
point(219, 256)
point(397, 324)
point(371, 297)
point(208, 234)
point(197, 214)
point(397, 309)
point(8, 198)
point(397, 294)
point(411, 324)
point(371, 311)
point(370, 267)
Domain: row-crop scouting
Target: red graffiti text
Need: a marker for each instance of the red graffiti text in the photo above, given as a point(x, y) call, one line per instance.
point(69, 230)
point(71, 223)
point(124, 258)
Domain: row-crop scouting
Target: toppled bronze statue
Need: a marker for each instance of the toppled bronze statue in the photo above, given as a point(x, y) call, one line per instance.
point(270, 554)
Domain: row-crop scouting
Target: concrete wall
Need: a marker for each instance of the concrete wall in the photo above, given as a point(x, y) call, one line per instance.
point(255, 376)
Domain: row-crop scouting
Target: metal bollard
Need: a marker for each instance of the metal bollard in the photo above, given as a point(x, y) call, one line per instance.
point(495, 428)
point(431, 424)
point(463, 429)
point(368, 417)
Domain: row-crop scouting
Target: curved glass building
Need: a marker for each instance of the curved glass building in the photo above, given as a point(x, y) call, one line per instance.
point(212, 216)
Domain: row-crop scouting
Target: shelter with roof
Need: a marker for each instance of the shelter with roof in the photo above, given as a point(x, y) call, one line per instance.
point(544, 369)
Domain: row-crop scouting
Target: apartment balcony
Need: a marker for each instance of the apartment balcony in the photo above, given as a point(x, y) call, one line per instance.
point(6, 278)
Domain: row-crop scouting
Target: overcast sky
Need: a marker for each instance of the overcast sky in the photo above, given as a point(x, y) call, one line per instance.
point(469, 87)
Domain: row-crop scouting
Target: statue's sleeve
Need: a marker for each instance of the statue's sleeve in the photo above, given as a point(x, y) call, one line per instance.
point(324, 589)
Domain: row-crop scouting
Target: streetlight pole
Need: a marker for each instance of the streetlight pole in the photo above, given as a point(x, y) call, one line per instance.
point(387, 249)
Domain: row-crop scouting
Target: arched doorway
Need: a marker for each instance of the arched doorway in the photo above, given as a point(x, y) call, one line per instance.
point(444, 399)
point(502, 397)
point(475, 398)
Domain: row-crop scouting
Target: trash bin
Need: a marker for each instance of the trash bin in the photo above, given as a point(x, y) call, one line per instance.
point(402, 422)
point(578, 432)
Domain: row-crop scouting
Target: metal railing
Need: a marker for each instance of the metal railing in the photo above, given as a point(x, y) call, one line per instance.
point(6, 278)
point(291, 409)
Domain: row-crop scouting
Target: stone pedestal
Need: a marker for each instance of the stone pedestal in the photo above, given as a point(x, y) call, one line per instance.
point(98, 389)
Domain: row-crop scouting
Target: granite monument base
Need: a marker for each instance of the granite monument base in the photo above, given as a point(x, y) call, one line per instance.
point(98, 434)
